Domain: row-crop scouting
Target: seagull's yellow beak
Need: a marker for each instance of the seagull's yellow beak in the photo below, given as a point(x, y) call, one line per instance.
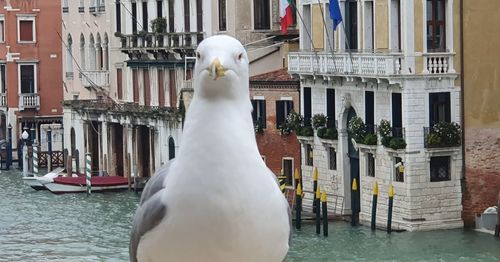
point(216, 69)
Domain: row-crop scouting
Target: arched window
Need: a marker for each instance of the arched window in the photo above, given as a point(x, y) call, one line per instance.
point(82, 52)
point(92, 64)
point(171, 148)
point(98, 49)
point(69, 57)
point(105, 50)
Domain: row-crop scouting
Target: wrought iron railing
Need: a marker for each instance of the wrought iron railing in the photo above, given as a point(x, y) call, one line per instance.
point(434, 138)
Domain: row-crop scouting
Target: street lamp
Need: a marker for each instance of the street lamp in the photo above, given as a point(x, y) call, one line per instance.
point(25, 136)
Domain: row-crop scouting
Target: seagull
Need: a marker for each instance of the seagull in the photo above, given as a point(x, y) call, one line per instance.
point(217, 201)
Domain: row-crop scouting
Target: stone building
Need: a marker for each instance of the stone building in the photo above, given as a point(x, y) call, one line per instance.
point(274, 95)
point(30, 70)
point(481, 87)
point(388, 60)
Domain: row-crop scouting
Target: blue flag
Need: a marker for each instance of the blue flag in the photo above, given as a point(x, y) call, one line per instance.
point(335, 13)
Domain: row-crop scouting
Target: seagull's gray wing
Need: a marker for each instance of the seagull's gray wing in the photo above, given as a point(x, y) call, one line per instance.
point(151, 209)
point(288, 208)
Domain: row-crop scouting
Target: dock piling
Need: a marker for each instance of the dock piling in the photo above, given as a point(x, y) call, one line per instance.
point(298, 207)
point(316, 202)
point(315, 187)
point(88, 169)
point(374, 206)
point(325, 213)
point(497, 227)
point(389, 215)
point(354, 206)
point(35, 159)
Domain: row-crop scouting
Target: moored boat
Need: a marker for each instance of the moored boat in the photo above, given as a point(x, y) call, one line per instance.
point(38, 182)
point(62, 185)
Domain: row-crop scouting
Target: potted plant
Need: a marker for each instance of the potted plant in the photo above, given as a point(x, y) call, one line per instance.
point(318, 121)
point(159, 25)
point(444, 134)
point(387, 138)
point(292, 123)
point(357, 129)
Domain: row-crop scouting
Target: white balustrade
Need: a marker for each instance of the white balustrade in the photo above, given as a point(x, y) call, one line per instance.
point(29, 101)
point(95, 78)
point(3, 100)
point(438, 63)
point(357, 64)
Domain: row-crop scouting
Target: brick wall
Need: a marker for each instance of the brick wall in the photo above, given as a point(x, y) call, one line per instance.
point(482, 174)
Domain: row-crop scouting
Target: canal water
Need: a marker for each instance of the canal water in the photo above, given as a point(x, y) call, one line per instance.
point(40, 226)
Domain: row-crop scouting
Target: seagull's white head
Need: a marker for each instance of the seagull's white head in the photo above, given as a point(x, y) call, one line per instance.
point(221, 69)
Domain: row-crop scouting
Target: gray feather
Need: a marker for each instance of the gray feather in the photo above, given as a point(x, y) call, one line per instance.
point(151, 209)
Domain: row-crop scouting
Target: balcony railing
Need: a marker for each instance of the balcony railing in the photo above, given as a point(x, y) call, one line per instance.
point(188, 85)
point(81, 9)
point(29, 101)
point(442, 137)
point(95, 78)
point(65, 9)
point(3, 100)
point(355, 64)
point(438, 63)
point(92, 9)
point(151, 41)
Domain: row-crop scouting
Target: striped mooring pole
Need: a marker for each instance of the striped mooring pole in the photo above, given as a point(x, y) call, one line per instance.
point(317, 202)
point(282, 182)
point(389, 215)
point(354, 206)
point(374, 205)
point(35, 160)
point(298, 207)
point(296, 177)
point(88, 168)
point(315, 188)
point(324, 208)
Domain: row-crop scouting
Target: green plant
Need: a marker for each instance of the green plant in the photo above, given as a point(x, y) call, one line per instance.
point(142, 33)
point(444, 134)
point(159, 25)
point(356, 127)
point(285, 128)
point(386, 140)
point(384, 128)
point(327, 133)
point(305, 131)
point(318, 121)
point(370, 139)
point(294, 121)
point(433, 140)
point(118, 34)
point(397, 143)
point(258, 127)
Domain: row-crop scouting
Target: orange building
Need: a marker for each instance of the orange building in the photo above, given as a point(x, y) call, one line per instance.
point(31, 69)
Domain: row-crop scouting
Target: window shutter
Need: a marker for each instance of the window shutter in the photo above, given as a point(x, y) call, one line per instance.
point(254, 111)
point(280, 114)
point(263, 113)
point(26, 30)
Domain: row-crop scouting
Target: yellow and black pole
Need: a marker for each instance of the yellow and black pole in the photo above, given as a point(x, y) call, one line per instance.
point(315, 186)
point(389, 215)
point(317, 199)
point(296, 176)
point(325, 214)
point(282, 181)
point(374, 205)
point(298, 207)
point(354, 205)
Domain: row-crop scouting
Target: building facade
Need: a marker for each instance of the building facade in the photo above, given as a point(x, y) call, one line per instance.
point(274, 95)
point(388, 60)
point(30, 71)
point(481, 84)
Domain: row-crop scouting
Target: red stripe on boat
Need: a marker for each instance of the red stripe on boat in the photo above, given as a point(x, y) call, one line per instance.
point(95, 180)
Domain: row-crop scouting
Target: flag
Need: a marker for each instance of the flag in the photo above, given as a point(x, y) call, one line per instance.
point(335, 14)
point(286, 16)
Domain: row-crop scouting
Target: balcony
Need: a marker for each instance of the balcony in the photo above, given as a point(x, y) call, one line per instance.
point(65, 9)
point(29, 101)
point(95, 78)
point(372, 65)
point(92, 9)
point(188, 85)
point(3, 100)
point(81, 9)
point(164, 41)
point(438, 63)
point(443, 135)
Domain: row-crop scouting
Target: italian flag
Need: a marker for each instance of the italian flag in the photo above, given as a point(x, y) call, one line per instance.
point(286, 16)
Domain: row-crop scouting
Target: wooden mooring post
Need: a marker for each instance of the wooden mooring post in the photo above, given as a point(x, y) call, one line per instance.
point(497, 227)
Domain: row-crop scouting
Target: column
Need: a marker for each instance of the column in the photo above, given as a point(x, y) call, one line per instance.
point(105, 152)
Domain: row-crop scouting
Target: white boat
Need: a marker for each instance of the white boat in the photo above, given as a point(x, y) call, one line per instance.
point(61, 185)
point(38, 182)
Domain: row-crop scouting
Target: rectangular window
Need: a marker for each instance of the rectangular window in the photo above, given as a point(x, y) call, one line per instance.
point(145, 19)
point(26, 30)
point(440, 168)
point(436, 25)
point(187, 17)
point(396, 24)
point(65, 7)
point(118, 17)
point(397, 115)
point(161, 88)
point(309, 155)
point(147, 87)
point(288, 171)
point(351, 11)
point(3, 88)
point(159, 8)
point(399, 170)
point(27, 78)
point(330, 108)
point(259, 112)
point(134, 17)
point(2, 29)
point(199, 15)
point(222, 15)
point(283, 108)
point(369, 27)
point(307, 106)
point(135, 85)
point(173, 88)
point(332, 159)
point(171, 16)
point(261, 15)
point(370, 112)
point(439, 108)
point(370, 165)
point(119, 86)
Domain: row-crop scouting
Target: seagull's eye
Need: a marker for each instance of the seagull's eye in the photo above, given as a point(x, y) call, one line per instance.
point(198, 55)
point(240, 56)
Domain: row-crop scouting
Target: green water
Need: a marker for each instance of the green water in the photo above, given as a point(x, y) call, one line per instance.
point(40, 226)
